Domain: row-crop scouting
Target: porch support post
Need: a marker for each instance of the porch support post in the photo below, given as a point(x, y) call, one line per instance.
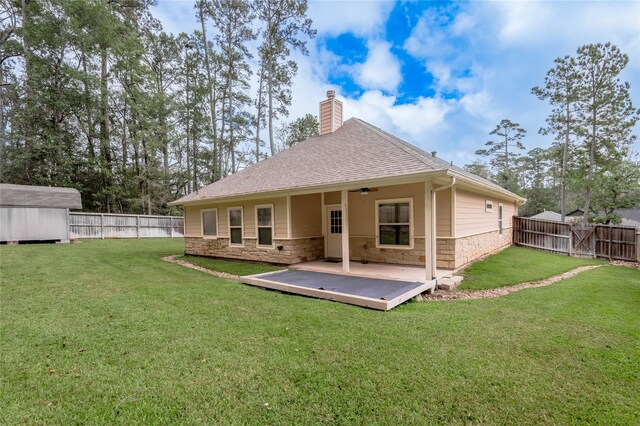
point(289, 216)
point(345, 230)
point(429, 237)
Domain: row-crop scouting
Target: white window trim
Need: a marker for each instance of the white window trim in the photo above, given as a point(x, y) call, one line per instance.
point(273, 233)
point(411, 236)
point(241, 225)
point(488, 209)
point(209, 237)
point(500, 220)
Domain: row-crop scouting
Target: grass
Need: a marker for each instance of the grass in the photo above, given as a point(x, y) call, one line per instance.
point(135, 340)
point(517, 265)
point(235, 267)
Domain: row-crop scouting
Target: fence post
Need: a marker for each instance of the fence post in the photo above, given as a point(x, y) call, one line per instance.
point(171, 224)
point(571, 239)
point(138, 226)
point(101, 226)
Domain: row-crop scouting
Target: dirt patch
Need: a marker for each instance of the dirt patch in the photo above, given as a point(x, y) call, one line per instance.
point(173, 259)
point(502, 291)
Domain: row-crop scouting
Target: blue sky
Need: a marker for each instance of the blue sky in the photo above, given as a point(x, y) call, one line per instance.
point(442, 74)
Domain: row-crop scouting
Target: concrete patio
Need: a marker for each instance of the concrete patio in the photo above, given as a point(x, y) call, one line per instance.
point(372, 270)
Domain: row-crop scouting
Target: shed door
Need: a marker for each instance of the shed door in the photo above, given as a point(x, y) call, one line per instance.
point(334, 232)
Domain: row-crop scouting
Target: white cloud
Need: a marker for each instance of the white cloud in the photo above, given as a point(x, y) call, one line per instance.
point(381, 70)
point(359, 17)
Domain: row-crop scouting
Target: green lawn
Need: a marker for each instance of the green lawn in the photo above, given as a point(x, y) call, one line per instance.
point(517, 265)
point(135, 340)
point(235, 267)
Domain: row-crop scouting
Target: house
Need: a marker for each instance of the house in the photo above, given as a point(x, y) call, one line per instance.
point(36, 213)
point(355, 193)
point(630, 217)
point(548, 215)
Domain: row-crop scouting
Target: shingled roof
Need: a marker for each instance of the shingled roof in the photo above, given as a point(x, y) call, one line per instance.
point(39, 196)
point(356, 151)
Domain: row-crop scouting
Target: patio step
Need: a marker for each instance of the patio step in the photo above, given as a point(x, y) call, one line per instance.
point(449, 283)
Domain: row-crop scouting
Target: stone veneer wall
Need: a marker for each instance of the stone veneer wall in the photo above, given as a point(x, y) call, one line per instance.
point(293, 251)
point(364, 248)
point(452, 253)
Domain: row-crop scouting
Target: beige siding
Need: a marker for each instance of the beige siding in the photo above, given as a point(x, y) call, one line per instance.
point(471, 217)
point(362, 208)
point(332, 197)
point(193, 217)
point(362, 219)
point(192, 221)
point(443, 213)
point(306, 216)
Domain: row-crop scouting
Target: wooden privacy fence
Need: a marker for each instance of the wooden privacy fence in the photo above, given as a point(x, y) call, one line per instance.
point(578, 239)
point(103, 225)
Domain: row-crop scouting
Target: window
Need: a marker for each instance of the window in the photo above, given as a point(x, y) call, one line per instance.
point(264, 222)
point(500, 218)
point(335, 224)
point(394, 223)
point(210, 223)
point(488, 206)
point(235, 226)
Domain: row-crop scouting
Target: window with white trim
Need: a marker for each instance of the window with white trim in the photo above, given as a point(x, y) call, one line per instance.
point(500, 218)
point(264, 223)
point(488, 206)
point(210, 223)
point(393, 223)
point(235, 226)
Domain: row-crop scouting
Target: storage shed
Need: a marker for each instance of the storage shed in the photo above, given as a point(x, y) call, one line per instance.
point(36, 213)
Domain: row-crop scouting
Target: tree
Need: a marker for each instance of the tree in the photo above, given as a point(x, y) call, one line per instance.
point(536, 181)
point(606, 115)
point(618, 188)
point(232, 20)
point(561, 90)
point(298, 130)
point(479, 168)
point(284, 27)
point(510, 137)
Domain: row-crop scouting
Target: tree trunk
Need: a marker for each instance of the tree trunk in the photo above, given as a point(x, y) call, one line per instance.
point(232, 148)
point(212, 108)
point(592, 160)
point(259, 113)
point(565, 158)
point(105, 151)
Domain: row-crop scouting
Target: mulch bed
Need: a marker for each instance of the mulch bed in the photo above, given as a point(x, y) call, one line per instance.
point(173, 259)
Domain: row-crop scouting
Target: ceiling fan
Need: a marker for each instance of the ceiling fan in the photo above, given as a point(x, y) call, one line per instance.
point(364, 191)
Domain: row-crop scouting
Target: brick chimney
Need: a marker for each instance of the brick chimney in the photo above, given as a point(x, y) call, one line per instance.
point(330, 113)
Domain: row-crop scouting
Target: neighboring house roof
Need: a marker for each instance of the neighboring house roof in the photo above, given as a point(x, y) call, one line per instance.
point(39, 196)
point(630, 217)
point(576, 213)
point(356, 151)
point(548, 215)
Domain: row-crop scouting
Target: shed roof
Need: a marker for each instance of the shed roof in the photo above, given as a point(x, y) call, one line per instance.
point(357, 151)
point(39, 196)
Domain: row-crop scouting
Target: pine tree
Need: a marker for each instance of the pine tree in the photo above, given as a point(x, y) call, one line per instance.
point(502, 153)
point(561, 90)
point(606, 115)
point(285, 28)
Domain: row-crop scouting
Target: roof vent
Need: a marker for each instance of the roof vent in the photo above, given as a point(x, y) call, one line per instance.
point(433, 153)
point(330, 113)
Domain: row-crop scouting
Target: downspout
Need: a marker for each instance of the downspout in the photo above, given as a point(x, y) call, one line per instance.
point(433, 222)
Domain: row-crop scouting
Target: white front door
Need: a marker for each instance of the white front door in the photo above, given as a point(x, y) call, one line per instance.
point(334, 232)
